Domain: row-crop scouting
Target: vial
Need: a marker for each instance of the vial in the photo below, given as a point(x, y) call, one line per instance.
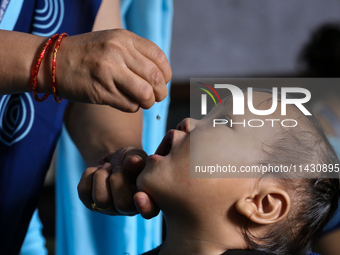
point(158, 117)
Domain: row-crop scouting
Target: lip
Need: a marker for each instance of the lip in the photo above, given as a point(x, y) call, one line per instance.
point(154, 157)
point(165, 147)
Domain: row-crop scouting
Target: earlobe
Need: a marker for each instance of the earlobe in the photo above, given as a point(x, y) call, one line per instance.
point(270, 205)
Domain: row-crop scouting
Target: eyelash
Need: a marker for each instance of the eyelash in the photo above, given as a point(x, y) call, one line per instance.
point(227, 118)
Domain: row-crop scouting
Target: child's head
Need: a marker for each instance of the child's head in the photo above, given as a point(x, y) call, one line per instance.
point(278, 215)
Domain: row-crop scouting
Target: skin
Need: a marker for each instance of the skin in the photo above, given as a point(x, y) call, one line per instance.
point(206, 215)
point(111, 67)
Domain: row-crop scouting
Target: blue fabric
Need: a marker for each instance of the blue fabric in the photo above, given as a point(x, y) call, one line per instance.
point(80, 231)
point(29, 130)
point(28, 135)
point(11, 14)
point(34, 243)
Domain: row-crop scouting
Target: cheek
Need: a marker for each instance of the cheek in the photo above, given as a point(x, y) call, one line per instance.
point(147, 179)
point(202, 196)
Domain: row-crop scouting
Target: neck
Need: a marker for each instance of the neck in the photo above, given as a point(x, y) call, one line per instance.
point(196, 238)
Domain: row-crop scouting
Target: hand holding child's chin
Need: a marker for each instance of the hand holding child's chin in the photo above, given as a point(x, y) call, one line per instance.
point(110, 188)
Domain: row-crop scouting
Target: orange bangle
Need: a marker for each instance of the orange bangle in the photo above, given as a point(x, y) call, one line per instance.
point(54, 60)
point(34, 79)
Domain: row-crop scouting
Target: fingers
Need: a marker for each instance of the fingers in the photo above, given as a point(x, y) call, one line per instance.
point(155, 54)
point(85, 186)
point(113, 189)
point(101, 194)
point(145, 205)
point(119, 69)
point(143, 71)
point(122, 192)
point(109, 189)
point(117, 98)
point(132, 86)
point(148, 71)
point(134, 163)
point(131, 151)
point(124, 155)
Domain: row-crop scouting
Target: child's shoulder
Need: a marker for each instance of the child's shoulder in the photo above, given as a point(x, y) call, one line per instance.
point(230, 252)
point(245, 252)
point(153, 252)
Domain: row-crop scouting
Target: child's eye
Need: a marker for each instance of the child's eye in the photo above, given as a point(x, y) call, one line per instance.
point(222, 120)
point(229, 121)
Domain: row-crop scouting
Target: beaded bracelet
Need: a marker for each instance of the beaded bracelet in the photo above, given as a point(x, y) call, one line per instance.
point(54, 60)
point(34, 79)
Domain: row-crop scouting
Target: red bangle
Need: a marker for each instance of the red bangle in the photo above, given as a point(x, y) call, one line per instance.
point(34, 79)
point(54, 60)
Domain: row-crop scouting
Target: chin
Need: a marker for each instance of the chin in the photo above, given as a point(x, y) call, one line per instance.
point(147, 182)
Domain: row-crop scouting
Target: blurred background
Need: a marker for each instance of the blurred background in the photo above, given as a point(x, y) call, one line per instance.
point(243, 37)
point(240, 38)
point(228, 38)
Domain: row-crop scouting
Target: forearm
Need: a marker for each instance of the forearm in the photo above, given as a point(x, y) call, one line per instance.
point(18, 53)
point(100, 130)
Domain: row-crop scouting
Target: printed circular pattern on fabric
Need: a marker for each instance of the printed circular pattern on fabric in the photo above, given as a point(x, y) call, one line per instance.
point(16, 117)
point(48, 17)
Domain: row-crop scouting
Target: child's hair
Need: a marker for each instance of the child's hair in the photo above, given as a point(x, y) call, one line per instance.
point(314, 199)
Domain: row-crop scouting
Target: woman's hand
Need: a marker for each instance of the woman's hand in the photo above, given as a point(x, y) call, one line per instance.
point(113, 67)
point(110, 188)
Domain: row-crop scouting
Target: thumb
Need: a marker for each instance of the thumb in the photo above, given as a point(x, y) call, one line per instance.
point(134, 163)
point(146, 207)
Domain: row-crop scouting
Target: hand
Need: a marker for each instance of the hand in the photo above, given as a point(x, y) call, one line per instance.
point(112, 67)
point(112, 186)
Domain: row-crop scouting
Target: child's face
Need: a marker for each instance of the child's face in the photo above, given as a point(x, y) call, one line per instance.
point(166, 177)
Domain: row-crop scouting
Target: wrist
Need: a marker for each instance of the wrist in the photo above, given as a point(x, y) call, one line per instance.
point(45, 71)
point(45, 57)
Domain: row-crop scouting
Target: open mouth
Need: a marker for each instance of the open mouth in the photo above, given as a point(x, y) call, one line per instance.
point(165, 146)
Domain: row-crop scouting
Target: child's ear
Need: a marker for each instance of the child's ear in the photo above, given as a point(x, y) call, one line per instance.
point(269, 205)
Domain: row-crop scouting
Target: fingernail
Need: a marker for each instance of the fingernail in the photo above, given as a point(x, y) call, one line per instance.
point(139, 157)
point(141, 200)
point(136, 110)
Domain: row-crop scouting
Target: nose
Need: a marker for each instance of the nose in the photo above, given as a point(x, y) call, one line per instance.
point(187, 125)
